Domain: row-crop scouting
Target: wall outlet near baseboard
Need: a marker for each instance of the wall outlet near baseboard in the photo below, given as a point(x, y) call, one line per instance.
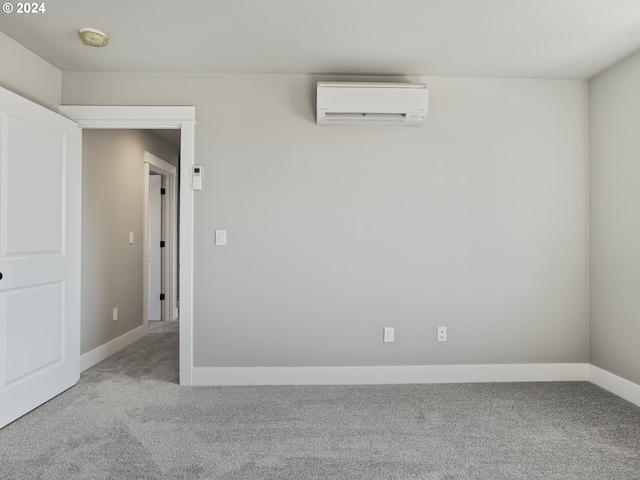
point(115, 313)
point(442, 334)
point(389, 335)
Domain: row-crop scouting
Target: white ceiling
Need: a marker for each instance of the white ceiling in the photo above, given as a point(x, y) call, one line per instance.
point(480, 38)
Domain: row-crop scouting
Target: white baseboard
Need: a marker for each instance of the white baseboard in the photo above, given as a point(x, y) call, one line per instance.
point(615, 384)
point(561, 372)
point(103, 352)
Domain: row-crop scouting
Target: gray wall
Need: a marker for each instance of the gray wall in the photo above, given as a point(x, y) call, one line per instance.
point(615, 228)
point(28, 75)
point(112, 203)
point(476, 221)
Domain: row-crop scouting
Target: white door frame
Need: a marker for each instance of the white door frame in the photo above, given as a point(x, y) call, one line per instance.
point(169, 257)
point(183, 118)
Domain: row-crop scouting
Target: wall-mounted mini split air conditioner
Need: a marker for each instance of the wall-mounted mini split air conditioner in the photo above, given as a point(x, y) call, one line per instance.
point(342, 103)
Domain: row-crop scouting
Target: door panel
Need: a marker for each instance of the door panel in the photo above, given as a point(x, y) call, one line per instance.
point(40, 196)
point(25, 320)
point(155, 252)
point(32, 226)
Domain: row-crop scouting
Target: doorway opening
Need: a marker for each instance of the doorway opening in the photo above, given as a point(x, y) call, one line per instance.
point(117, 252)
point(181, 118)
point(160, 261)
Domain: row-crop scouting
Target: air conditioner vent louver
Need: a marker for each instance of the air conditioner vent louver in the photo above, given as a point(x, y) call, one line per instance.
point(340, 103)
point(357, 117)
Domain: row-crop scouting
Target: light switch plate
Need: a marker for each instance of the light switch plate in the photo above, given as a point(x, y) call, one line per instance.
point(221, 237)
point(389, 335)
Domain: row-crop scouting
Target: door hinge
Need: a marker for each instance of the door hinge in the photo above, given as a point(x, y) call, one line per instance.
point(161, 243)
point(162, 296)
point(163, 191)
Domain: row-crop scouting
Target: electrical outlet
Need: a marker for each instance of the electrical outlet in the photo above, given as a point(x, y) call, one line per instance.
point(388, 335)
point(442, 334)
point(115, 314)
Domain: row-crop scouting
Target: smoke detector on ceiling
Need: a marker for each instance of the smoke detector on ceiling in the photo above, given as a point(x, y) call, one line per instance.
point(93, 38)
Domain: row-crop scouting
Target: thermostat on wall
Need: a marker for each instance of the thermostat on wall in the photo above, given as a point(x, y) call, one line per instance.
point(197, 177)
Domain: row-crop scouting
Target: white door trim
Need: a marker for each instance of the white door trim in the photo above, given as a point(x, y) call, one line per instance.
point(168, 171)
point(182, 118)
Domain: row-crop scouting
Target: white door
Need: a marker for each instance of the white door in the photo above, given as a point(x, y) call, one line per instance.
point(40, 195)
point(154, 310)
